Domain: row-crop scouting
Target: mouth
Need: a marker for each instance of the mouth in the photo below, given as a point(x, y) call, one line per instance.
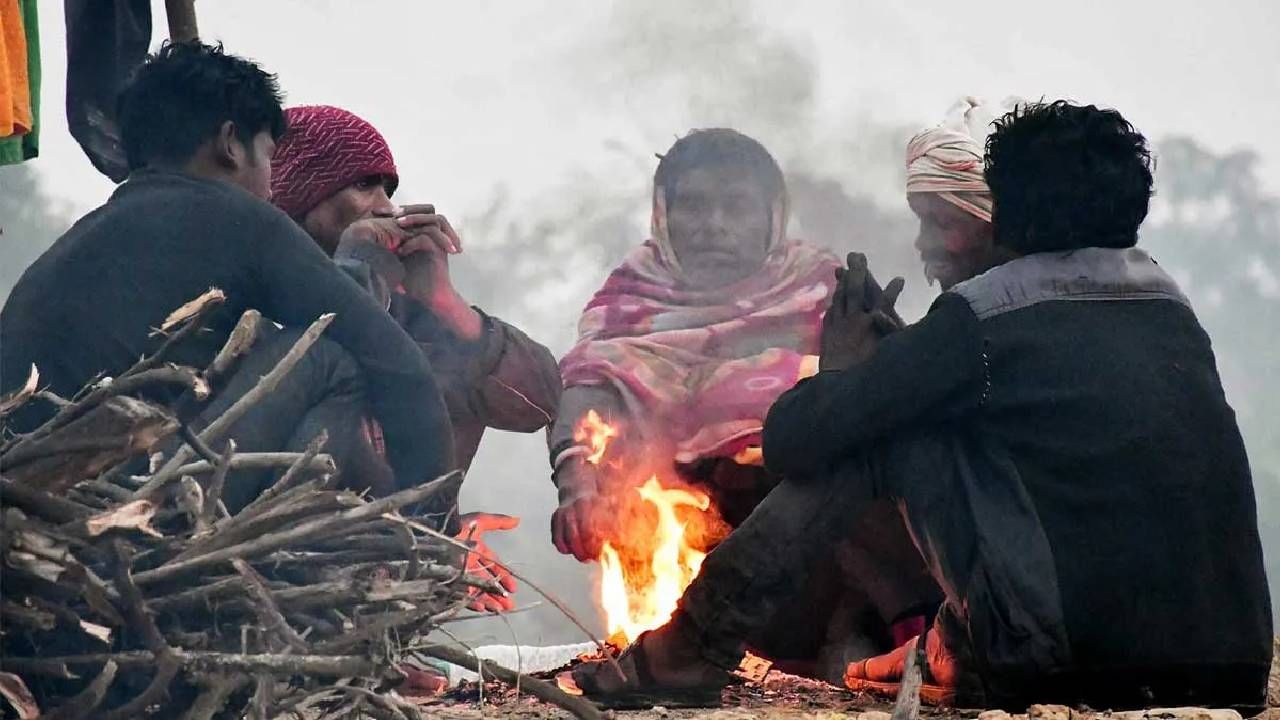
point(935, 266)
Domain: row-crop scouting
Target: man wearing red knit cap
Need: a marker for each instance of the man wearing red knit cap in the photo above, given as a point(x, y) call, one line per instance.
point(331, 169)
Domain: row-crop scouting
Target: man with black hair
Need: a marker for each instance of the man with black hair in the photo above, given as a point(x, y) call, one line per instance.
point(1057, 438)
point(198, 129)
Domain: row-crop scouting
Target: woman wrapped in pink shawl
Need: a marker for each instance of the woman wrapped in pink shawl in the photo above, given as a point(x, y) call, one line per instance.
point(691, 338)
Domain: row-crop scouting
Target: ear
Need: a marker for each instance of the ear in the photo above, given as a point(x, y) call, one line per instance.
point(228, 151)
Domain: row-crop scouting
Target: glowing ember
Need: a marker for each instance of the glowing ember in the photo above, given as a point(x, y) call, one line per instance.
point(657, 544)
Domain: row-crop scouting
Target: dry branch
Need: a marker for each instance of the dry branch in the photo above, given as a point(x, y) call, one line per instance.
point(307, 586)
point(580, 707)
point(219, 427)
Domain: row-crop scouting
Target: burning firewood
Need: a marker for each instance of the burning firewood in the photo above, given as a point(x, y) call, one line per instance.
point(132, 597)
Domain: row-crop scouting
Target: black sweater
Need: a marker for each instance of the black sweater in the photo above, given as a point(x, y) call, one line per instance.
point(88, 305)
point(1091, 509)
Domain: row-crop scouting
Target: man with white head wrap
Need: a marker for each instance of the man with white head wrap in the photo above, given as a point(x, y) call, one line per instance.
point(1055, 433)
point(948, 193)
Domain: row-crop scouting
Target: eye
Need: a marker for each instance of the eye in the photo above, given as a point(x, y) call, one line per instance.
point(368, 183)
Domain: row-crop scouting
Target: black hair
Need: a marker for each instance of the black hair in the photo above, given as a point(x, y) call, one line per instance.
point(721, 148)
point(1063, 177)
point(180, 96)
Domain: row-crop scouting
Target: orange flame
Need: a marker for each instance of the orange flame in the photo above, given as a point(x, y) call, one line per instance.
point(645, 597)
point(596, 433)
point(650, 559)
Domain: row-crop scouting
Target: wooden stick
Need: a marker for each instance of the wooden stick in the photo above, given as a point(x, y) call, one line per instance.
point(219, 427)
point(213, 496)
point(182, 20)
point(260, 461)
point(302, 532)
point(564, 609)
point(214, 695)
point(166, 671)
point(335, 666)
point(239, 342)
point(80, 706)
point(580, 707)
point(297, 468)
point(268, 611)
point(40, 503)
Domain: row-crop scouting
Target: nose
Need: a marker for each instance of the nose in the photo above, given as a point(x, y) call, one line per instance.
point(382, 205)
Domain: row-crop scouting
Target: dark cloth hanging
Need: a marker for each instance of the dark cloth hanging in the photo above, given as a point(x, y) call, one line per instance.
point(106, 40)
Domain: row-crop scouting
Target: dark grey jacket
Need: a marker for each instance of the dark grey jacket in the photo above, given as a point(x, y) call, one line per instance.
point(1058, 435)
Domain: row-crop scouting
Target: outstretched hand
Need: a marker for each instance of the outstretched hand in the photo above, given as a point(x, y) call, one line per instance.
point(581, 524)
point(474, 527)
point(860, 314)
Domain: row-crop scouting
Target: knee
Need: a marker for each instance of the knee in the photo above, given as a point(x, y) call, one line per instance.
point(325, 363)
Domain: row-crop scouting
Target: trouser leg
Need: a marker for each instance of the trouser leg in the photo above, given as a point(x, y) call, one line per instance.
point(324, 391)
point(765, 565)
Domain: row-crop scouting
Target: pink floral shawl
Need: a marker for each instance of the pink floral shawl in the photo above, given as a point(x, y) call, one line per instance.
point(700, 368)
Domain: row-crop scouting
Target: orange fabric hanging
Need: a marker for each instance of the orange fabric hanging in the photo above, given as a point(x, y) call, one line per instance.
point(15, 88)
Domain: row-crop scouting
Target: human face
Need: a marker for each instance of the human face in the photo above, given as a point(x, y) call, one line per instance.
point(953, 244)
point(719, 223)
point(365, 198)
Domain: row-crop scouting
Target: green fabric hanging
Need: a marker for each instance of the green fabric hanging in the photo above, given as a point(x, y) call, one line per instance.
point(16, 149)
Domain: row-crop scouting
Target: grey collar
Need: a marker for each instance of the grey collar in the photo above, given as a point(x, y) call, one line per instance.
point(1094, 274)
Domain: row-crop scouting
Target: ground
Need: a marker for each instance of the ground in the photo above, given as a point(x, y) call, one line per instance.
point(780, 697)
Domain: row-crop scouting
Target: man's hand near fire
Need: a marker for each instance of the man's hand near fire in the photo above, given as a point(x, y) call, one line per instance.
point(480, 564)
point(860, 314)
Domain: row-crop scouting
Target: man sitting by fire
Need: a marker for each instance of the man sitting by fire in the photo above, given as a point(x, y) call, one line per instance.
point(682, 351)
point(333, 169)
point(1054, 430)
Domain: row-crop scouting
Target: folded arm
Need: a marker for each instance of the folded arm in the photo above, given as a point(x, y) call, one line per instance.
point(930, 371)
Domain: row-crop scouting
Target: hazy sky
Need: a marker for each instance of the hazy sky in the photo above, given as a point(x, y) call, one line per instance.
point(551, 104)
point(472, 94)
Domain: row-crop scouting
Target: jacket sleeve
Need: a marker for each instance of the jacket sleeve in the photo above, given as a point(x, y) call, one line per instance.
point(931, 371)
point(504, 380)
point(576, 402)
point(300, 283)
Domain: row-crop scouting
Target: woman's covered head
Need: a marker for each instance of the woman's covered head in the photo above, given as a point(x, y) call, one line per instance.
point(1066, 176)
point(724, 201)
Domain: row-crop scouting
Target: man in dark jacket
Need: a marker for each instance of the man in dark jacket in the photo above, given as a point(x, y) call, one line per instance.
point(1056, 435)
point(199, 127)
point(333, 169)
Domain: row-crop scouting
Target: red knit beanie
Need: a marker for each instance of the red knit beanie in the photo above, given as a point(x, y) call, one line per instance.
point(324, 150)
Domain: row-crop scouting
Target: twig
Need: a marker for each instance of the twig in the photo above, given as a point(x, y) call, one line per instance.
point(302, 532)
point(40, 503)
point(214, 695)
point(213, 496)
point(580, 707)
point(124, 385)
point(300, 463)
point(267, 610)
point(239, 342)
point(166, 671)
point(80, 706)
point(260, 461)
point(199, 445)
point(317, 665)
point(19, 397)
point(192, 314)
point(220, 426)
point(564, 609)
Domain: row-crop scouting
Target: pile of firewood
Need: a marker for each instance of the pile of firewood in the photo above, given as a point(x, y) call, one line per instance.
point(137, 595)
